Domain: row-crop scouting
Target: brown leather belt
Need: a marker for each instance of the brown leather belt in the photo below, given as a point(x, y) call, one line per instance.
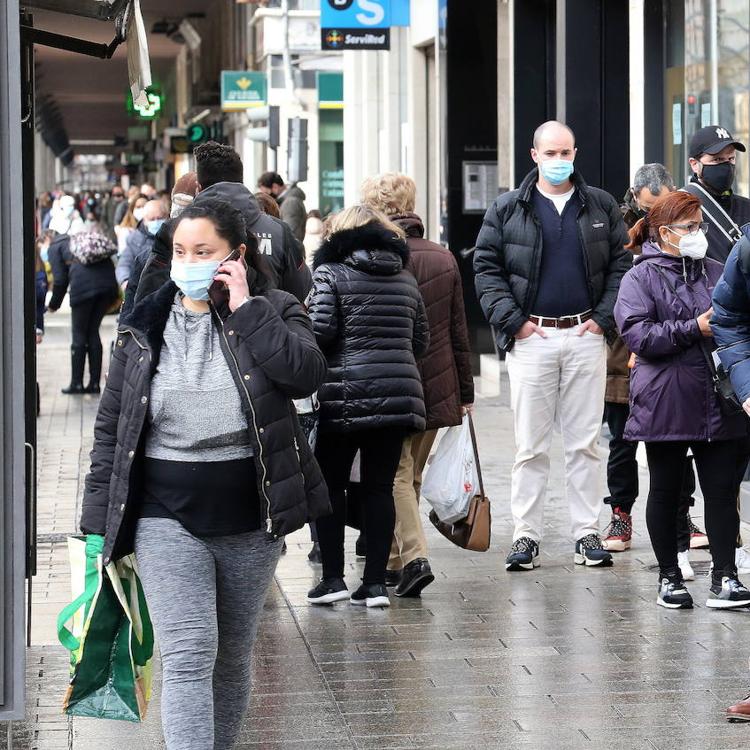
point(569, 321)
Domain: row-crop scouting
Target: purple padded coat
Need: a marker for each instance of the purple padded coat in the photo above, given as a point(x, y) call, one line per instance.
point(671, 393)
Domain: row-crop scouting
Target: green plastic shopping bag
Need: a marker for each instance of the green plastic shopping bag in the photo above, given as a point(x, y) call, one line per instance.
point(111, 639)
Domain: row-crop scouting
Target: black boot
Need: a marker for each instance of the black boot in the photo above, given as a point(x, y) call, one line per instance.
point(95, 371)
point(77, 363)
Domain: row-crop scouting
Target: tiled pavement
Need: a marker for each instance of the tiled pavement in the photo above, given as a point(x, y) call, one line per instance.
point(558, 658)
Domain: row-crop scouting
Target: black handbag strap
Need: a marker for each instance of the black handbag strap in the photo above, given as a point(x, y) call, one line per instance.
point(714, 212)
point(476, 454)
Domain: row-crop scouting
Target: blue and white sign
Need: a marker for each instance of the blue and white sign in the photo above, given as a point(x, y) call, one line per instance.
point(355, 14)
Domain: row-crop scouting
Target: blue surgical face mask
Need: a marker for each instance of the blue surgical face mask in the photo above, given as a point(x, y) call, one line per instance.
point(154, 226)
point(556, 171)
point(44, 253)
point(194, 279)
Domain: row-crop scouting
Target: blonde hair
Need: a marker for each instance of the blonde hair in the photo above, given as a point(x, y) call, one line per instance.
point(391, 192)
point(359, 215)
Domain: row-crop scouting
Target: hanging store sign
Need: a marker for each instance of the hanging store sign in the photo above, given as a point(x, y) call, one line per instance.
point(243, 89)
point(355, 24)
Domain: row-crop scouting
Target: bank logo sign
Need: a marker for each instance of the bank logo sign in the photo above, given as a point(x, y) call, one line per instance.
point(243, 89)
point(355, 24)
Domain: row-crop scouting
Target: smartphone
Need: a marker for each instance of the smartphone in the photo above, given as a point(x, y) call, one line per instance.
point(218, 292)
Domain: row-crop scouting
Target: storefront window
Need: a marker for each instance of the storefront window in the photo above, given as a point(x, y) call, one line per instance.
point(707, 79)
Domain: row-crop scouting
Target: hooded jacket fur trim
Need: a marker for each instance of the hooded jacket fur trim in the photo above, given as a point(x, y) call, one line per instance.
point(371, 238)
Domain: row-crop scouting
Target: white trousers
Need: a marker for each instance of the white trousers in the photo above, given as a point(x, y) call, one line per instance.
point(558, 380)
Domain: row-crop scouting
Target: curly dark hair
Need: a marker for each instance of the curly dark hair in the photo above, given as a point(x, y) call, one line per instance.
point(217, 163)
point(230, 226)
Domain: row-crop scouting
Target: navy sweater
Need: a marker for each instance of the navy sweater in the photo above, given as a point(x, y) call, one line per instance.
point(563, 283)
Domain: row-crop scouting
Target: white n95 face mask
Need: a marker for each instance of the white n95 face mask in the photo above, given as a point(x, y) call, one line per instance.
point(692, 245)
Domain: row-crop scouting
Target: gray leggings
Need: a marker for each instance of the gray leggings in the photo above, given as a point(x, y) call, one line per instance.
point(205, 596)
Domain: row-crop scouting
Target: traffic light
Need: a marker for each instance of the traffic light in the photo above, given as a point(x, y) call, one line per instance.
point(270, 132)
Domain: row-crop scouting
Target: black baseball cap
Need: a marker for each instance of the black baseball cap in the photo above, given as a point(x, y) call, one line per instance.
point(711, 140)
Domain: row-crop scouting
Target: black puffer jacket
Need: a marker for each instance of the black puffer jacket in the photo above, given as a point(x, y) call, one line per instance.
point(508, 256)
point(276, 243)
point(370, 321)
point(271, 350)
point(85, 282)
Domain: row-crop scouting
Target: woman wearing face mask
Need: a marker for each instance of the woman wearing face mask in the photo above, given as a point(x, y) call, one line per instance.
point(133, 217)
point(663, 311)
point(200, 466)
point(82, 266)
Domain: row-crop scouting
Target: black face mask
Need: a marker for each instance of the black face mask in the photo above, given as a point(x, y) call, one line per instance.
point(719, 177)
point(632, 204)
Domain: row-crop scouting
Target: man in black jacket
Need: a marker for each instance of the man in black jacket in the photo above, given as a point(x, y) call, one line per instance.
point(548, 263)
point(713, 154)
point(220, 174)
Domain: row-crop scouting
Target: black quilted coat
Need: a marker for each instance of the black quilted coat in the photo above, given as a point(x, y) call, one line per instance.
point(370, 322)
point(508, 256)
point(270, 348)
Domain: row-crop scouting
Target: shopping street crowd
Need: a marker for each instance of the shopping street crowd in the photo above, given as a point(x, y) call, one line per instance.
point(264, 357)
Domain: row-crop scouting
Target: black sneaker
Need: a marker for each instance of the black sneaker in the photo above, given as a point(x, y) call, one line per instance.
point(728, 594)
point(523, 555)
point(328, 591)
point(673, 594)
point(393, 577)
point(590, 552)
point(417, 575)
point(314, 555)
point(371, 595)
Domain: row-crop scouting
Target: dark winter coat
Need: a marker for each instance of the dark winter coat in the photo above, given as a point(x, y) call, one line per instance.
point(276, 243)
point(731, 318)
point(140, 242)
point(508, 256)
point(671, 388)
point(270, 348)
point(370, 322)
point(738, 209)
point(446, 373)
point(85, 282)
point(42, 287)
point(293, 211)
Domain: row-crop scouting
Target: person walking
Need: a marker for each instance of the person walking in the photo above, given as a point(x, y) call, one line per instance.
point(131, 218)
point(663, 311)
point(291, 200)
point(141, 241)
point(548, 262)
point(82, 262)
point(445, 370)
point(205, 495)
point(314, 228)
point(370, 322)
point(220, 173)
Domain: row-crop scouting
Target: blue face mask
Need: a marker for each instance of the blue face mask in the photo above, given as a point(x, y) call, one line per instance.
point(154, 226)
point(556, 171)
point(194, 279)
point(44, 253)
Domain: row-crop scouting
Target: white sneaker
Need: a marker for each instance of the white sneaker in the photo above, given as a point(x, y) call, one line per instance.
point(742, 560)
point(683, 561)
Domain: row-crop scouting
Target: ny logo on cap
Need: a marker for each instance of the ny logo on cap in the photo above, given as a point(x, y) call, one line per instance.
point(723, 134)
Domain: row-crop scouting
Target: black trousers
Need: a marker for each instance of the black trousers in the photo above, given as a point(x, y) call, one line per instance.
point(622, 473)
point(86, 318)
point(716, 463)
point(380, 452)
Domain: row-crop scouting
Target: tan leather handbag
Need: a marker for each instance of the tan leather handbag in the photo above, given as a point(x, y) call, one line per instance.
point(474, 531)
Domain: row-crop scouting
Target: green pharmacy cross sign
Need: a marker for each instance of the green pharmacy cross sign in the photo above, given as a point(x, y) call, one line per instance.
point(147, 111)
point(243, 89)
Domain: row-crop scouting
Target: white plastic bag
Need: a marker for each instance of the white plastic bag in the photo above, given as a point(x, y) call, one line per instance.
point(451, 479)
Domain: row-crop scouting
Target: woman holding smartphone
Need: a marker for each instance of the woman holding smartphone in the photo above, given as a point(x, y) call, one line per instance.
point(200, 466)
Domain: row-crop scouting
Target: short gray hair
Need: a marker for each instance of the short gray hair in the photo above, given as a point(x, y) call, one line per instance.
point(653, 176)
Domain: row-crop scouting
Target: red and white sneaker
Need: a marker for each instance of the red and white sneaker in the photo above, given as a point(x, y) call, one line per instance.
point(698, 538)
point(618, 535)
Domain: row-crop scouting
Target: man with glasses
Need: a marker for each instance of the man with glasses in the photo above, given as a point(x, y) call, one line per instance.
point(713, 154)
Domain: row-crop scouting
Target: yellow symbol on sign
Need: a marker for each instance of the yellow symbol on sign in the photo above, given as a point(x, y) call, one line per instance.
point(244, 83)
